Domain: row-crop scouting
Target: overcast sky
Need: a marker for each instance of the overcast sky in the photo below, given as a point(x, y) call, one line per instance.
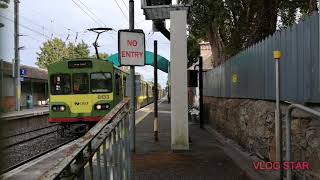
point(45, 19)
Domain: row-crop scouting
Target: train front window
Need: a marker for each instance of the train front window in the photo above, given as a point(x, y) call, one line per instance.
point(80, 83)
point(60, 84)
point(101, 83)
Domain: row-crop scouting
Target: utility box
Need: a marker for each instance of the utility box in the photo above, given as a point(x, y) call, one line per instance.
point(158, 2)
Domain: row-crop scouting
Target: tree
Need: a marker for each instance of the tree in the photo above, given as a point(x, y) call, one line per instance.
point(193, 50)
point(56, 50)
point(80, 50)
point(232, 25)
point(101, 55)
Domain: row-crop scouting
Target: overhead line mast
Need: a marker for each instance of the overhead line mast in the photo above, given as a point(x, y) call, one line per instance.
point(17, 86)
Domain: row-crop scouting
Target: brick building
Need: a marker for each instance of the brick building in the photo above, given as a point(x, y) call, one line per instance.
point(34, 81)
point(206, 53)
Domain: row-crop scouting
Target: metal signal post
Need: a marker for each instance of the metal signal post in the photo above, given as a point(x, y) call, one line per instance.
point(156, 120)
point(133, 87)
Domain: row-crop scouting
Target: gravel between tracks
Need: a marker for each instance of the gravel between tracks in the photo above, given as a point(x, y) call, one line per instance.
point(29, 149)
point(26, 150)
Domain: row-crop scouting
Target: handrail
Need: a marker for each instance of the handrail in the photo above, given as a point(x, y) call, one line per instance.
point(288, 130)
point(106, 144)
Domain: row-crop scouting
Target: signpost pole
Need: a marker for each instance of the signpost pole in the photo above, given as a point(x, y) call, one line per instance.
point(133, 86)
point(155, 65)
point(201, 91)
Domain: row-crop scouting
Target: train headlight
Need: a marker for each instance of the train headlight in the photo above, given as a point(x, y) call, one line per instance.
point(62, 108)
point(98, 107)
point(58, 108)
point(102, 106)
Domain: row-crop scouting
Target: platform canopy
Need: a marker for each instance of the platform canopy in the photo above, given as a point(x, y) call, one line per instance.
point(163, 63)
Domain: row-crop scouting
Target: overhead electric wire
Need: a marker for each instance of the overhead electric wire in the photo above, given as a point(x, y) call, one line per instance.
point(86, 13)
point(121, 10)
point(92, 13)
point(41, 26)
point(125, 5)
point(26, 27)
point(36, 12)
point(33, 38)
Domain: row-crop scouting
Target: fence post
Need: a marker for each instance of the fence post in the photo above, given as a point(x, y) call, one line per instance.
point(278, 123)
point(79, 161)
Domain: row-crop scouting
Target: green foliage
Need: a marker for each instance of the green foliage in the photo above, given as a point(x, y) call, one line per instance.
point(80, 50)
point(232, 25)
point(101, 55)
point(56, 50)
point(193, 50)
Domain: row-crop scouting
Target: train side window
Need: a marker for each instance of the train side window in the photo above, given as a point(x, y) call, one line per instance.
point(147, 90)
point(101, 82)
point(124, 85)
point(118, 84)
point(60, 84)
point(80, 83)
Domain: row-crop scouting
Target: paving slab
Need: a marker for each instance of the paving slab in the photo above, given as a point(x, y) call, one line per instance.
point(155, 160)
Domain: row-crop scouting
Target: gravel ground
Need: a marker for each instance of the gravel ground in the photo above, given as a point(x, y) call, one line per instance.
point(22, 152)
point(23, 125)
point(26, 136)
point(26, 150)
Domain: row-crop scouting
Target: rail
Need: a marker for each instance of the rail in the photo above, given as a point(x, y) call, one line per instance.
point(102, 153)
point(288, 130)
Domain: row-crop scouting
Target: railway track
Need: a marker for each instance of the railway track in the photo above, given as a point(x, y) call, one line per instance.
point(35, 157)
point(24, 137)
point(31, 144)
point(34, 130)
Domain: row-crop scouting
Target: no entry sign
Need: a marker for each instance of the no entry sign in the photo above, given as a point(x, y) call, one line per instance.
point(131, 48)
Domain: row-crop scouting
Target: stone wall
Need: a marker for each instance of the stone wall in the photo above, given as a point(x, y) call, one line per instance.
point(251, 124)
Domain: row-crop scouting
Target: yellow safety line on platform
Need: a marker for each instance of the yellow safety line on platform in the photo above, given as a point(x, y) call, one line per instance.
point(148, 111)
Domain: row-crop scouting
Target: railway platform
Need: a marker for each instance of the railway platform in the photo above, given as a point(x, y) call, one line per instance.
point(25, 113)
point(208, 158)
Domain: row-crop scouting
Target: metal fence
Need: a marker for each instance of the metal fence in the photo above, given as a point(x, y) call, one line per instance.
point(102, 153)
point(251, 73)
